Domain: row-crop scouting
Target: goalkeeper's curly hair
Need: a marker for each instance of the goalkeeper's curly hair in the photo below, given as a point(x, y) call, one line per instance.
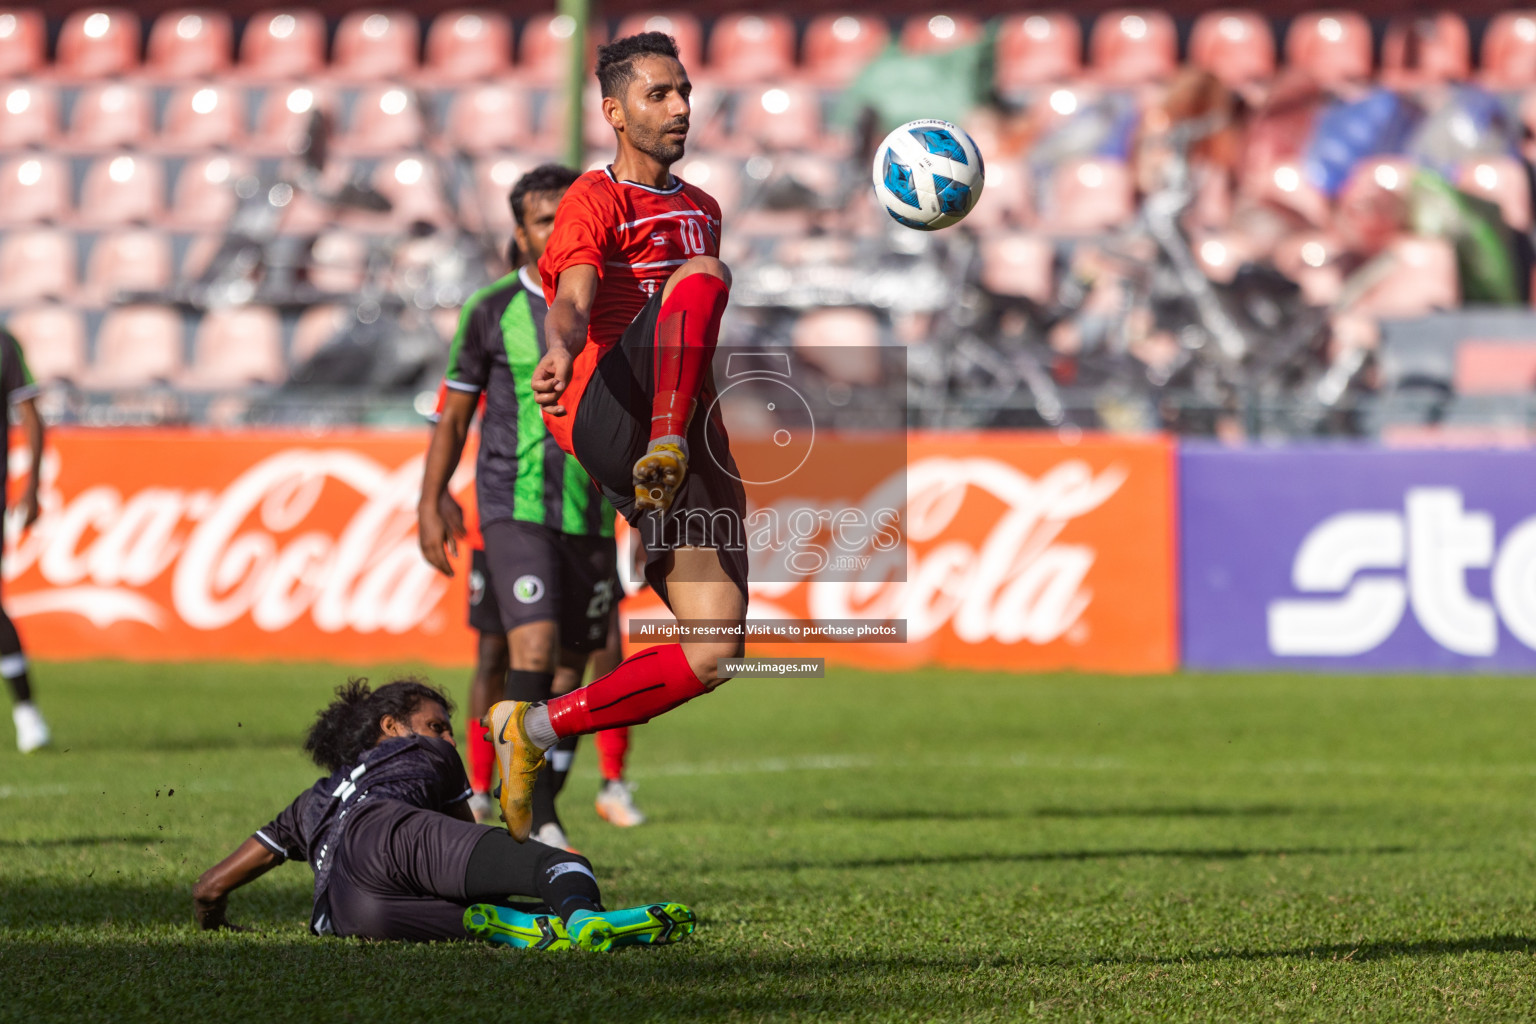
point(349, 724)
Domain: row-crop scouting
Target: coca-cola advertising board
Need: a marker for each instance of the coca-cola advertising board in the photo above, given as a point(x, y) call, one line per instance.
point(1340, 556)
point(1021, 553)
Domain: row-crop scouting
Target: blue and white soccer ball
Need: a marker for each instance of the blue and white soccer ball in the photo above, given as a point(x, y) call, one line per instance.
point(928, 174)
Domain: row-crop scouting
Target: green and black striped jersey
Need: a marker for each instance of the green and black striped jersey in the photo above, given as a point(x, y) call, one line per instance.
point(521, 473)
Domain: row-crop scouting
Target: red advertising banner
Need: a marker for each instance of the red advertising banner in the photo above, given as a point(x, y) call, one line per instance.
point(1023, 553)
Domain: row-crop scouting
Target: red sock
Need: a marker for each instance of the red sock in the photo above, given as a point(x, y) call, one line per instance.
point(482, 757)
point(643, 686)
point(686, 334)
point(612, 751)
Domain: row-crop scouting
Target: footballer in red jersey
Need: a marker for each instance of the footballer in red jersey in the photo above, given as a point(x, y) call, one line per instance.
point(636, 290)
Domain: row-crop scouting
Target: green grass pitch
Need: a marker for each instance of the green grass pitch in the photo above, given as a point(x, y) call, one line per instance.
point(924, 846)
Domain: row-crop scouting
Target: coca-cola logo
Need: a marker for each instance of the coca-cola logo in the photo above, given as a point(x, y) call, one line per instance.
point(252, 550)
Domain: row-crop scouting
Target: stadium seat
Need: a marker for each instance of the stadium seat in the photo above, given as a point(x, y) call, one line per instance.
point(1423, 280)
point(1036, 49)
point(1087, 196)
point(29, 116)
point(97, 42)
point(841, 342)
point(494, 177)
point(413, 189)
point(1006, 201)
point(138, 346)
point(109, 115)
point(385, 119)
point(374, 44)
point(751, 48)
point(1133, 46)
point(1331, 46)
point(236, 347)
point(202, 117)
point(284, 116)
point(1502, 180)
point(34, 188)
point(466, 45)
point(338, 261)
point(53, 336)
point(934, 33)
point(1495, 368)
point(1237, 46)
point(119, 190)
point(136, 260)
point(837, 46)
point(680, 25)
point(1311, 259)
point(543, 47)
point(717, 174)
point(1425, 49)
point(779, 117)
point(1019, 265)
point(1509, 50)
point(36, 264)
point(23, 42)
point(203, 197)
point(279, 44)
point(490, 117)
point(316, 328)
point(190, 44)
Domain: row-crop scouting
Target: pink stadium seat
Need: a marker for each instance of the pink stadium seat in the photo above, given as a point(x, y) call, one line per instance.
point(283, 43)
point(317, 327)
point(284, 116)
point(1019, 265)
point(1034, 49)
point(1311, 259)
point(493, 181)
point(544, 45)
point(190, 44)
point(837, 46)
point(1502, 180)
point(751, 48)
point(411, 185)
point(204, 196)
point(23, 42)
point(780, 117)
point(1495, 368)
point(198, 255)
point(127, 261)
point(34, 188)
point(108, 115)
point(236, 347)
point(1424, 49)
point(29, 116)
point(202, 117)
point(137, 346)
point(119, 190)
point(490, 117)
point(98, 41)
point(36, 264)
point(466, 45)
point(1007, 201)
point(373, 44)
point(1331, 46)
point(385, 119)
point(717, 174)
point(1423, 280)
point(933, 33)
point(1087, 196)
point(338, 261)
point(1509, 50)
point(53, 337)
point(841, 342)
point(680, 25)
point(1133, 46)
point(1237, 46)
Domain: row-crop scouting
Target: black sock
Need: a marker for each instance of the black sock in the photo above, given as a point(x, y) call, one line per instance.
point(530, 686)
point(551, 781)
point(13, 663)
point(500, 867)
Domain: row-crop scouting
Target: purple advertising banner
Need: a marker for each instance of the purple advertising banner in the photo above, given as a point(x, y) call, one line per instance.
point(1354, 556)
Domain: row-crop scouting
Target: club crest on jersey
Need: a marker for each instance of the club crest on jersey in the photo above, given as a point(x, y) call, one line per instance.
point(528, 589)
point(650, 286)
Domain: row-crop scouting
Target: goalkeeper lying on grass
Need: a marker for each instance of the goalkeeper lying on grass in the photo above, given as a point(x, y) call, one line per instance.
point(396, 852)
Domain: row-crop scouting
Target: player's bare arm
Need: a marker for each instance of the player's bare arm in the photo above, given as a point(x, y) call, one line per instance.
point(565, 332)
point(435, 532)
point(32, 427)
point(210, 896)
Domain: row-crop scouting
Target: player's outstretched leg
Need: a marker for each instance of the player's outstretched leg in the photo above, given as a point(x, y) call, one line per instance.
point(687, 331)
point(658, 924)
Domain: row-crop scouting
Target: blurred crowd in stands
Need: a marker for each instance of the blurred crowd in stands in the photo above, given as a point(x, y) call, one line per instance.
point(1182, 223)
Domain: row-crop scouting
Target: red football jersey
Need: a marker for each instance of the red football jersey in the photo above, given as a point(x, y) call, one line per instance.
point(635, 236)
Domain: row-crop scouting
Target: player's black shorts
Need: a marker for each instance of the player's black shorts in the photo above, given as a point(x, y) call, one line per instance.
point(484, 612)
point(539, 574)
point(612, 430)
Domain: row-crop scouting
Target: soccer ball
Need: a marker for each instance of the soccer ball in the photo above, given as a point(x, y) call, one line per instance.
point(928, 174)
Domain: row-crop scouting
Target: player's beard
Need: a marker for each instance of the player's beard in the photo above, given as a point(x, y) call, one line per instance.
point(656, 143)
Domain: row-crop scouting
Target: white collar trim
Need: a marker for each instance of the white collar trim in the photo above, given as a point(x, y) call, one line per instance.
point(676, 186)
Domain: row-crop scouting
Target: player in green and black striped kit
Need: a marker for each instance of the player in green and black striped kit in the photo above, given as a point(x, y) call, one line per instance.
point(17, 388)
point(548, 531)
